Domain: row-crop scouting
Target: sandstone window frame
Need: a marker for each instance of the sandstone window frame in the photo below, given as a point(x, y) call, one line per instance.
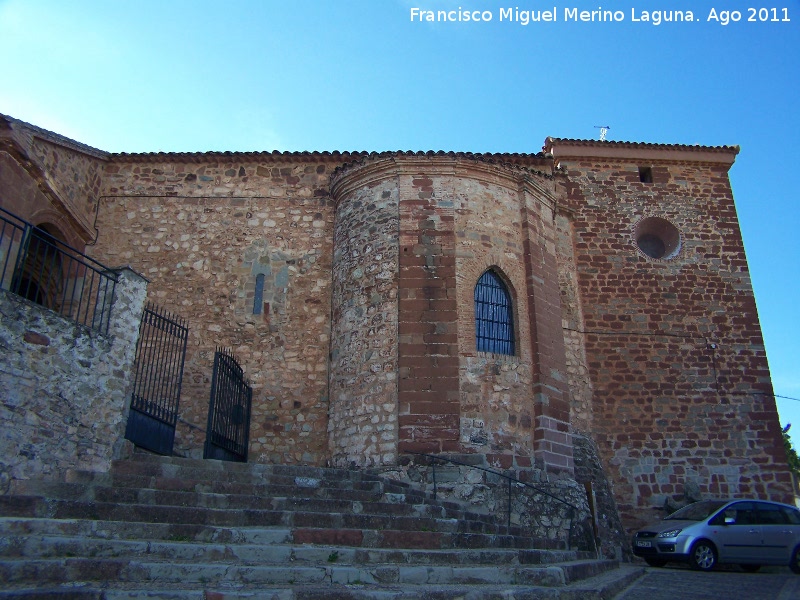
point(657, 238)
point(494, 306)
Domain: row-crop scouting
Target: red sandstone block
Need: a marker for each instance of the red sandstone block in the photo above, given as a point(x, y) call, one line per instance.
point(333, 537)
point(415, 327)
point(499, 461)
point(424, 434)
point(431, 384)
point(33, 337)
point(448, 421)
point(431, 309)
point(406, 444)
point(448, 378)
point(429, 234)
point(411, 539)
point(414, 260)
point(421, 407)
point(440, 338)
point(430, 362)
point(415, 349)
point(451, 446)
point(523, 461)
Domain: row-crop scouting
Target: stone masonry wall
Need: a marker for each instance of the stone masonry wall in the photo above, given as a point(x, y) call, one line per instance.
point(497, 404)
point(428, 391)
point(682, 392)
point(555, 511)
point(68, 172)
point(364, 356)
point(205, 232)
point(75, 177)
point(20, 195)
point(458, 217)
point(64, 389)
point(552, 434)
point(579, 382)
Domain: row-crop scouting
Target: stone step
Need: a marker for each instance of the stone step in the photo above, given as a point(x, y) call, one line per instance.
point(15, 530)
point(600, 587)
point(283, 486)
point(133, 530)
point(294, 482)
point(171, 471)
point(267, 500)
point(70, 500)
point(306, 528)
point(318, 479)
point(236, 572)
point(275, 549)
point(160, 527)
point(191, 529)
point(183, 468)
point(38, 506)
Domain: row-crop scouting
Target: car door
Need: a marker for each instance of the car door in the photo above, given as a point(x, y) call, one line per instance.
point(777, 534)
point(737, 533)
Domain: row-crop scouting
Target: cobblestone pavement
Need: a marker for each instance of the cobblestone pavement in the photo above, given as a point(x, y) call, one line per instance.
point(680, 583)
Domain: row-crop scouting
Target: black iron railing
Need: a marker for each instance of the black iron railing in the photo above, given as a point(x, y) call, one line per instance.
point(228, 431)
point(160, 357)
point(514, 484)
point(45, 270)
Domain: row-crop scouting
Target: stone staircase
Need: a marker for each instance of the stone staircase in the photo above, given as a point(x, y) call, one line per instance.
point(157, 527)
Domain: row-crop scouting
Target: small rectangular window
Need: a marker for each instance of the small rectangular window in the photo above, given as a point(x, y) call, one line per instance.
point(258, 296)
point(645, 174)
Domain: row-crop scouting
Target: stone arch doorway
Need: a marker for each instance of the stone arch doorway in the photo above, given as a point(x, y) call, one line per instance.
point(41, 279)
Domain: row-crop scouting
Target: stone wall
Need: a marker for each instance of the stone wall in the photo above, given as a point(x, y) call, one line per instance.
point(363, 417)
point(64, 388)
point(413, 236)
point(48, 179)
point(497, 404)
point(554, 510)
point(75, 177)
point(206, 232)
point(681, 387)
point(613, 542)
point(579, 382)
point(428, 393)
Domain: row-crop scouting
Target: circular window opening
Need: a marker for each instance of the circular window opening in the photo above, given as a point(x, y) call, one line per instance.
point(657, 238)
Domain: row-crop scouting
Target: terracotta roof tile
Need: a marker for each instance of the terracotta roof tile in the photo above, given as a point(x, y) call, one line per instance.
point(314, 155)
point(550, 141)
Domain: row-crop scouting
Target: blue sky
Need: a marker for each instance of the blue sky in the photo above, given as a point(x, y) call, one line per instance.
point(360, 75)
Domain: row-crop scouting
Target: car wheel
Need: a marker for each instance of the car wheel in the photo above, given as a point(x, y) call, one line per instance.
point(703, 556)
point(795, 564)
point(750, 568)
point(655, 562)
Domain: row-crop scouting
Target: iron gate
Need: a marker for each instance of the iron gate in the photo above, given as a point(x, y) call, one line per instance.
point(228, 431)
point(160, 356)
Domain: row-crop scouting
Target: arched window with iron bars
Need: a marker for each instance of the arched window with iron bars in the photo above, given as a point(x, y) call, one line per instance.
point(494, 315)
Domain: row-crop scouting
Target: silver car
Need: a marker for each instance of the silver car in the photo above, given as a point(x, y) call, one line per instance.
point(749, 533)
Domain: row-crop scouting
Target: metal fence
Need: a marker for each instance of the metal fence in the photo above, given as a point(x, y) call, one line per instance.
point(228, 432)
point(45, 270)
point(160, 358)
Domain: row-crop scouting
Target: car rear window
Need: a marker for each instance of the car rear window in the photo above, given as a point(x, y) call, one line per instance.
point(792, 515)
point(770, 514)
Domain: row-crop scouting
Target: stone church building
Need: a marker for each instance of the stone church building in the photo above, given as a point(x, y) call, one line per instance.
point(504, 306)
